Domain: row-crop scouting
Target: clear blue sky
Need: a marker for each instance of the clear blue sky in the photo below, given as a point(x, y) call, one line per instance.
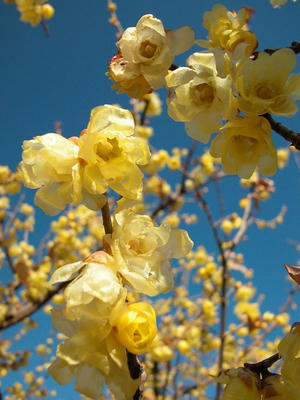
point(61, 78)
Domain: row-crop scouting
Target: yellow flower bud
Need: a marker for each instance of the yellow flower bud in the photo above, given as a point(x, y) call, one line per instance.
point(135, 326)
point(47, 11)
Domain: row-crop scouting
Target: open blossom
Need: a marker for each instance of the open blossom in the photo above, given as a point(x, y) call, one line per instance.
point(274, 388)
point(265, 84)
point(127, 78)
point(245, 143)
point(93, 291)
point(142, 251)
point(240, 383)
point(79, 170)
point(110, 152)
point(93, 357)
point(149, 48)
point(200, 97)
point(99, 326)
point(228, 30)
point(289, 351)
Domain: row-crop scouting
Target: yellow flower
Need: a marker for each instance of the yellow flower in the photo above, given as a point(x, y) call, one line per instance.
point(93, 291)
point(110, 153)
point(142, 250)
point(127, 78)
point(135, 325)
point(244, 144)
point(47, 164)
point(265, 84)
point(240, 383)
point(92, 359)
point(289, 351)
point(31, 11)
point(151, 49)
point(274, 388)
point(199, 97)
point(47, 11)
point(228, 29)
point(278, 3)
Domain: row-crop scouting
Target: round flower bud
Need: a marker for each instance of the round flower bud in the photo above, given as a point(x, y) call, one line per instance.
point(47, 11)
point(135, 326)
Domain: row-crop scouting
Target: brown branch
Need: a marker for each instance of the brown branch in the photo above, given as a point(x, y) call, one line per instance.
point(171, 200)
point(223, 299)
point(31, 308)
point(287, 134)
point(106, 218)
point(295, 46)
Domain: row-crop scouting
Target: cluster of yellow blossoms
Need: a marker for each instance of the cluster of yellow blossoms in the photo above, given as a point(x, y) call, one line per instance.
point(217, 85)
point(79, 170)
point(98, 321)
point(248, 383)
point(33, 11)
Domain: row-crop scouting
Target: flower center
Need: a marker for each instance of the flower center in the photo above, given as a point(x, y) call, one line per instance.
point(244, 145)
point(264, 92)
point(108, 149)
point(147, 49)
point(203, 94)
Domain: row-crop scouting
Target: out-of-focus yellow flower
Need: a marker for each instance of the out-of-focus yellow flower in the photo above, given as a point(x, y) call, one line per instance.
point(199, 97)
point(110, 152)
point(240, 383)
point(142, 250)
point(283, 157)
point(228, 29)
point(47, 11)
point(154, 104)
point(151, 49)
point(244, 144)
point(279, 3)
point(244, 293)
point(31, 11)
point(265, 84)
point(135, 326)
point(162, 353)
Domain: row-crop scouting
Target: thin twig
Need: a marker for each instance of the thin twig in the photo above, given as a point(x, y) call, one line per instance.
point(286, 133)
point(223, 299)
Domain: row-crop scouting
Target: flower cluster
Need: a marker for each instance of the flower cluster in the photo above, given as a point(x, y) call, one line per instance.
point(79, 170)
point(227, 82)
point(34, 11)
point(98, 322)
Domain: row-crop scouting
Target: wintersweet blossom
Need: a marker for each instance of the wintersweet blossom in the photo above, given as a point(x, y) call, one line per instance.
point(274, 388)
point(245, 143)
point(47, 164)
point(93, 291)
point(92, 358)
point(279, 3)
point(265, 84)
point(110, 152)
point(127, 77)
point(142, 251)
point(150, 48)
point(289, 351)
point(240, 382)
point(228, 29)
point(135, 325)
point(198, 96)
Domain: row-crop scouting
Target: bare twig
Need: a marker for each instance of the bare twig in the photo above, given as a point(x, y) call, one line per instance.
point(287, 134)
point(114, 20)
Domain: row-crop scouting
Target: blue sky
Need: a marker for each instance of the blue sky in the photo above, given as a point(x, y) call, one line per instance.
point(61, 78)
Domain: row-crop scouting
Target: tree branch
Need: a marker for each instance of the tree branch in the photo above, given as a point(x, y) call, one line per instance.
point(287, 134)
